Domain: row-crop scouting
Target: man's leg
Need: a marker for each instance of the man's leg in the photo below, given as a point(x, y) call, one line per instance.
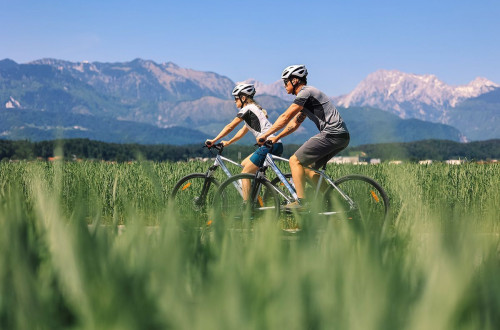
point(298, 175)
point(311, 176)
point(328, 147)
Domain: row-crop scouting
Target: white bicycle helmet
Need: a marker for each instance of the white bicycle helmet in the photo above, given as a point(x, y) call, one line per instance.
point(295, 71)
point(245, 89)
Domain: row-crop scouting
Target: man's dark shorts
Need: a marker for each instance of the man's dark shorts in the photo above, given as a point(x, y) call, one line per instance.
point(319, 149)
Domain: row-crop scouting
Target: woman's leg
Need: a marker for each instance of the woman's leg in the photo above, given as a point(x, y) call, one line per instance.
point(248, 167)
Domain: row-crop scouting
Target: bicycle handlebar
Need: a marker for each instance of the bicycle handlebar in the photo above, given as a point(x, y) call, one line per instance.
point(267, 143)
point(219, 147)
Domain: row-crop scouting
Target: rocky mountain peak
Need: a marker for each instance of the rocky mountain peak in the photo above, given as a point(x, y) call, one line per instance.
point(411, 95)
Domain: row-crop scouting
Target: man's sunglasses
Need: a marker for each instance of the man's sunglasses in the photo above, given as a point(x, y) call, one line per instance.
point(285, 81)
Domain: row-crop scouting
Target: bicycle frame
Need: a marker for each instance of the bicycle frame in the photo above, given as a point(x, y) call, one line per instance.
point(269, 162)
point(219, 162)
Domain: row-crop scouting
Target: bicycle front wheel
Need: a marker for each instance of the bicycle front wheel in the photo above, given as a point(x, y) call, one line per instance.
point(193, 194)
point(357, 196)
point(232, 202)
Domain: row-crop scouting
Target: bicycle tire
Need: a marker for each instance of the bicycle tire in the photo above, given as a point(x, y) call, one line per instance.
point(229, 203)
point(187, 195)
point(371, 203)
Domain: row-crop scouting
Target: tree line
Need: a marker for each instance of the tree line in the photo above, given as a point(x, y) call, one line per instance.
point(88, 149)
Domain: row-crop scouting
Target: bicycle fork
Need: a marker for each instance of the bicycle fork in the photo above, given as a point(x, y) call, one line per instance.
point(255, 196)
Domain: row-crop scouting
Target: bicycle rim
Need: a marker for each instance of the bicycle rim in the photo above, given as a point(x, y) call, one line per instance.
point(193, 195)
point(261, 202)
point(363, 199)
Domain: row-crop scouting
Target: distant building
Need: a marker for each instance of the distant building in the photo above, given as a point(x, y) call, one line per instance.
point(425, 162)
point(396, 162)
point(344, 160)
point(455, 161)
point(375, 161)
point(203, 159)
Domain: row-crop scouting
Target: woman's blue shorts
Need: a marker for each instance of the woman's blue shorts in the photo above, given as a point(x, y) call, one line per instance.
point(259, 156)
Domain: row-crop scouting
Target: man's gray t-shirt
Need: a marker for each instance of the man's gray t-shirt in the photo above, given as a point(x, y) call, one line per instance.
point(319, 108)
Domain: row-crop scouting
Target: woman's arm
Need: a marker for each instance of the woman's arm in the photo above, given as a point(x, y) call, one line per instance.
point(237, 136)
point(225, 131)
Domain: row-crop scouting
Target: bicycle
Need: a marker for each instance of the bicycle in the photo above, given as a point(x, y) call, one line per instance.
point(194, 192)
point(348, 197)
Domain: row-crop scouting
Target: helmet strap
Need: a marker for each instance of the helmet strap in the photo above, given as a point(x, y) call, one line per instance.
point(293, 85)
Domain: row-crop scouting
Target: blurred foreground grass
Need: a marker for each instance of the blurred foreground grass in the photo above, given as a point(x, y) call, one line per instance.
point(434, 265)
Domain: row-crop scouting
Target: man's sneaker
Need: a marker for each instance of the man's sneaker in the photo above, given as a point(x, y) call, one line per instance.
point(295, 206)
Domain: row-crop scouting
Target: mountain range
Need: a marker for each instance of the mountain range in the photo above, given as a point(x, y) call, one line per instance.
point(427, 98)
point(146, 102)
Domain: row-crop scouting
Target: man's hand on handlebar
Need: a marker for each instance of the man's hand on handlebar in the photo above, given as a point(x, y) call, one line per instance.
point(209, 143)
point(266, 143)
point(261, 140)
point(274, 139)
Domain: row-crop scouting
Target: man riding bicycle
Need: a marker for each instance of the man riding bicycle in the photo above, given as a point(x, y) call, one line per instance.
point(332, 138)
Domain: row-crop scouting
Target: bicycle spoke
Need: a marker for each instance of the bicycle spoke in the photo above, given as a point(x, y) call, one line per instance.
point(193, 195)
point(363, 198)
point(232, 203)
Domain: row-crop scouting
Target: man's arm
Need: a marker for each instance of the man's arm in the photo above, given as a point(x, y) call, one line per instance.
point(291, 127)
point(282, 120)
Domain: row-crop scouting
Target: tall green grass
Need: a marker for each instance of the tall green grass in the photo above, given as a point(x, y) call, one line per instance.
point(434, 265)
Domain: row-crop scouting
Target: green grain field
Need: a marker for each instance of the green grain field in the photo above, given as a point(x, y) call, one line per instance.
point(95, 245)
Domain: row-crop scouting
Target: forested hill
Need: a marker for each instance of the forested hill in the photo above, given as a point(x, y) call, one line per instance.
point(432, 149)
point(86, 149)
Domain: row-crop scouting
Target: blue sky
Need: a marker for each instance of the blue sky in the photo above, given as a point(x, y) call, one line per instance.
point(341, 42)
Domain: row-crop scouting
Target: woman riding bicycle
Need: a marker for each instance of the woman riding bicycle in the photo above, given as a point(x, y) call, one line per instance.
point(256, 121)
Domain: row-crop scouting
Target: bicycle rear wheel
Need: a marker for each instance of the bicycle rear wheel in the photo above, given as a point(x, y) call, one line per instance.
point(358, 197)
point(193, 195)
point(262, 200)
